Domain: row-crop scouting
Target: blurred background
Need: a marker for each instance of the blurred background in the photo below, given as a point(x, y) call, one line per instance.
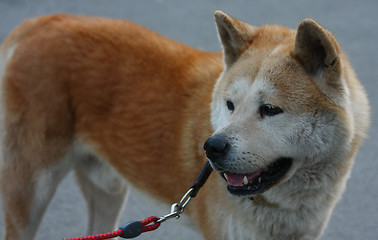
point(354, 23)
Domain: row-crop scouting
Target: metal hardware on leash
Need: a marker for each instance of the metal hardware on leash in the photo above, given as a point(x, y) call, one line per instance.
point(177, 208)
point(135, 228)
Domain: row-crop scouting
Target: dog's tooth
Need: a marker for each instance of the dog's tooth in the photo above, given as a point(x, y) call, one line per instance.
point(245, 180)
point(225, 176)
point(259, 179)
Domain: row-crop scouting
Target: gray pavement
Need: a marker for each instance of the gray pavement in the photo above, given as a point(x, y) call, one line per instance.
point(355, 24)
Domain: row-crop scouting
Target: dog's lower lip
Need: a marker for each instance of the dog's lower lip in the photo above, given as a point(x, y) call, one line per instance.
point(259, 181)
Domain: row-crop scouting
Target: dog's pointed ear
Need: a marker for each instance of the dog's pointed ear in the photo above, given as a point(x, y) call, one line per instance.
point(235, 36)
point(319, 53)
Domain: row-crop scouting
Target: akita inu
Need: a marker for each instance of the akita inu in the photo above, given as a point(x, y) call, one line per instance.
point(113, 101)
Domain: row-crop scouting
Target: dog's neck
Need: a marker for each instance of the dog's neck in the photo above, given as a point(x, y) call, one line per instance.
point(260, 200)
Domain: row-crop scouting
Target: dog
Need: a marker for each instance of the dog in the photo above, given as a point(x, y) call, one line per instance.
point(280, 114)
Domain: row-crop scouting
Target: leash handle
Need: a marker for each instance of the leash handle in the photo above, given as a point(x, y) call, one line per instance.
point(201, 179)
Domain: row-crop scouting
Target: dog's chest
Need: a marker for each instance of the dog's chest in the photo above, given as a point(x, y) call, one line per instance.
point(256, 222)
point(236, 227)
point(244, 223)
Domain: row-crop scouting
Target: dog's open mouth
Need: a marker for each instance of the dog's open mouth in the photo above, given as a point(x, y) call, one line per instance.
point(243, 184)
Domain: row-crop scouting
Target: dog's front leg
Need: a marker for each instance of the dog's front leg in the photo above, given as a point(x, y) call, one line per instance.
point(104, 191)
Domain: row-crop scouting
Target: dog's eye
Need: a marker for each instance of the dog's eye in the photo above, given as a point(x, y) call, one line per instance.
point(230, 106)
point(269, 110)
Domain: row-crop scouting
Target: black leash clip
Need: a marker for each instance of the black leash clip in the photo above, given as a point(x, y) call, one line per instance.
point(134, 229)
point(178, 208)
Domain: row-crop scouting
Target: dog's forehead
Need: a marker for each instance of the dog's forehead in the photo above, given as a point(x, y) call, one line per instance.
point(265, 71)
point(262, 62)
point(278, 79)
point(246, 88)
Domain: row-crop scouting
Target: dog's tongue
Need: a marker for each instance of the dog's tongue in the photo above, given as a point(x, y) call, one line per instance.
point(237, 179)
point(234, 179)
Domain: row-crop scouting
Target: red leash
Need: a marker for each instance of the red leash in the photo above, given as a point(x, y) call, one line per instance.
point(134, 229)
point(114, 234)
point(130, 230)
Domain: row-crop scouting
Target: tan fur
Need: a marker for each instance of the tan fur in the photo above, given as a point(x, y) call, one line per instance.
point(81, 93)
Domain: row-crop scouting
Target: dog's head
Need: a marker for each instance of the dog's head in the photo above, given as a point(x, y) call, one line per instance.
point(278, 106)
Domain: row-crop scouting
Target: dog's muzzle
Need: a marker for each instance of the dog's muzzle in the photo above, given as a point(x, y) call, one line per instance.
point(244, 183)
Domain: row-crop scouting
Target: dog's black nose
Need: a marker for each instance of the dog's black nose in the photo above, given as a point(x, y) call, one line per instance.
point(216, 147)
